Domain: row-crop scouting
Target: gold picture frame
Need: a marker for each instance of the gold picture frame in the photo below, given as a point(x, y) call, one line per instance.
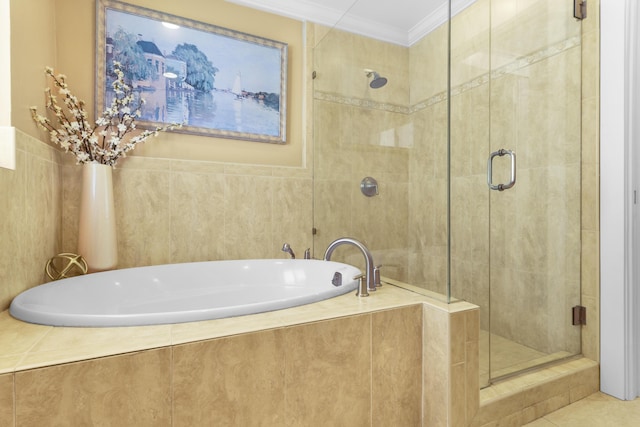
point(215, 81)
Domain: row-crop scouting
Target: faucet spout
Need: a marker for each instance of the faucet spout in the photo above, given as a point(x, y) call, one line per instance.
point(287, 248)
point(370, 283)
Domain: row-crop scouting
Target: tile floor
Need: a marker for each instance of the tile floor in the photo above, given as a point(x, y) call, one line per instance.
point(597, 410)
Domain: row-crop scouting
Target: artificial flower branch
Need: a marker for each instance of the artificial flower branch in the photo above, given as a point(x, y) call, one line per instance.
point(103, 142)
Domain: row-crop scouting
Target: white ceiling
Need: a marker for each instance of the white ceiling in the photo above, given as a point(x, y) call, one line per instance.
point(401, 22)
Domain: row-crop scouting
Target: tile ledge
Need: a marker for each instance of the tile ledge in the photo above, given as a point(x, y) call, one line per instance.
point(389, 297)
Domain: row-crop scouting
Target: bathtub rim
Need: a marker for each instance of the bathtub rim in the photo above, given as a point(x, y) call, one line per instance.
point(19, 311)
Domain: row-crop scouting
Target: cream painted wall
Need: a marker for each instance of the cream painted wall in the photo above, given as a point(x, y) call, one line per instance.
point(33, 45)
point(5, 63)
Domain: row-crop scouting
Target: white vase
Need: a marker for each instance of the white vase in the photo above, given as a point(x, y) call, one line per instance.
point(97, 232)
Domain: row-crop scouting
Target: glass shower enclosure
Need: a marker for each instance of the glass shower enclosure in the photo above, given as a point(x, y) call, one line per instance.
point(461, 172)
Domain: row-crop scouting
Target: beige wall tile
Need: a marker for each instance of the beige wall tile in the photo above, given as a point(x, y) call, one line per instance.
point(133, 389)
point(6, 399)
point(520, 28)
point(248, 217)
point(591, 331)
point(331, 218)
point(457, 402)
point(197, 216)
point(230, 381)
point(435, 367)
point(326, 360)
point(590, 131)
point(472, 380)
point(143, 210)
point(590, 197)
point(428, 59)
point(397, 369)
point(470, 43)
point(197, 211)
point(13, 225)
point(31, 230)
point(340, 59)
point(42, 213)
point(590, 63)
point(292, 214)
point(457, 338)
point(590, 189)
point(71, 181)
point(472, 363)
point(590, 264)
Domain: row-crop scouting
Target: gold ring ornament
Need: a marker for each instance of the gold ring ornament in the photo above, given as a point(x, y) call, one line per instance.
point(65, 265)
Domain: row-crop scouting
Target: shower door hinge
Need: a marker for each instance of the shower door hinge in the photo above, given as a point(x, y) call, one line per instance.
point(579, 315)
point(579, 9)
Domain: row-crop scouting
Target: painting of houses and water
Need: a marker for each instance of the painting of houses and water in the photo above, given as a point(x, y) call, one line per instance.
point(215, 81)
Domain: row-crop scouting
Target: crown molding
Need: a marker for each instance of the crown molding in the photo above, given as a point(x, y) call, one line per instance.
point(435, 19)
point(341, 19)
point(297, 9)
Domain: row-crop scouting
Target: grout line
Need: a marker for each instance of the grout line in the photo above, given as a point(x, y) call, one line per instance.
point(371, 397)
point(31, 347)
point(15, 401)
point(171, 386)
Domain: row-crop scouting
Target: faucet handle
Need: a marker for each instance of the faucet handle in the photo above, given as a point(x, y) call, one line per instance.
point(376, 275)
point(307, 253)
point(362, 285)
point(362, 277)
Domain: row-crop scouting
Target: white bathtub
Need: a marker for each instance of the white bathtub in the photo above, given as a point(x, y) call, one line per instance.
point(176, 293)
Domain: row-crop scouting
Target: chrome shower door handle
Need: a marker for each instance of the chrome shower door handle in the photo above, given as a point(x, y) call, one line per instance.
point(501, 187)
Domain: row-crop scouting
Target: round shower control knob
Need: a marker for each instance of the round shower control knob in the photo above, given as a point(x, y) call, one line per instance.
point(369, 186)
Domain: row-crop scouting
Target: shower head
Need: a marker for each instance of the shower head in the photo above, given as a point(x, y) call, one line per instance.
point(378, 81)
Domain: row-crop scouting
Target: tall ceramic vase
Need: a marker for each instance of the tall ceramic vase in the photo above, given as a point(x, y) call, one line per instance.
point(97, 233)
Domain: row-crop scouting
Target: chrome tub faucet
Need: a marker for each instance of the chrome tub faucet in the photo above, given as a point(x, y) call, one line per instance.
point(287, 248)
point(369, 277)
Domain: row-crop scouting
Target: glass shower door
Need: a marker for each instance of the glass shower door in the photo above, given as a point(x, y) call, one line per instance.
point(515, 229)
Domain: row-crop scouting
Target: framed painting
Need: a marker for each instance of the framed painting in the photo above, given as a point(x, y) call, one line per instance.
point(215, 81)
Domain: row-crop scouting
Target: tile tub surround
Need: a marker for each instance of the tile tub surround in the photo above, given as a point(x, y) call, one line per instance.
point(289, 366)
point(31, 212)
point(28, 346)
point(396, 358)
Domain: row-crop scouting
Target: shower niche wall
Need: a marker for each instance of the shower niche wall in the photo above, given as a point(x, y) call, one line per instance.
point(482, 76)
